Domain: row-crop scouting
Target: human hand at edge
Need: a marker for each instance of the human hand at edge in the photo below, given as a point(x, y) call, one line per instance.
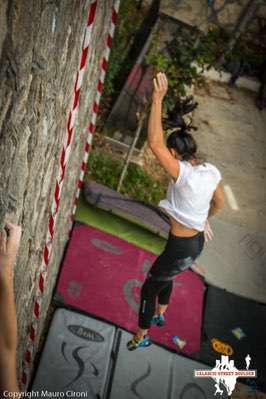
point(9, 245)
point(160, 86)
point(208, 233)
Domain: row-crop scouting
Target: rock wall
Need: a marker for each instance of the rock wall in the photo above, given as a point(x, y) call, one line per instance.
point(40, 46)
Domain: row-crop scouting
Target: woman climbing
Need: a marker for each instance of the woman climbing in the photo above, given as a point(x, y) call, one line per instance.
point(193, 196)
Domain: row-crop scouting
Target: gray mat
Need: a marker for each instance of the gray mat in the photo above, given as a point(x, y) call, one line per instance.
point(235, 260)
point(158, 374)
point(144, 374)
point(77, 355)
point(143, 215)
point(186, 386)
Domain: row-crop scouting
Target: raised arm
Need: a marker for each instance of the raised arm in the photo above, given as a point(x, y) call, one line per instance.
point(155, 129)
point(9, 244)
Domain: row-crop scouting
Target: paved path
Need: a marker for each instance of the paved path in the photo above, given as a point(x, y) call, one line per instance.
point(232, 135)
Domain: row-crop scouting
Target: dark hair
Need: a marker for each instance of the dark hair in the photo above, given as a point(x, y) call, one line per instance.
point(183, 142)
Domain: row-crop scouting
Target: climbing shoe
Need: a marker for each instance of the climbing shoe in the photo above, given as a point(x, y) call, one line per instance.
point(136, 342)
point(158, 320)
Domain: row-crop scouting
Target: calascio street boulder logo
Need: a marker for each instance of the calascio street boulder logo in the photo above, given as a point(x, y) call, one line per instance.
point(225, 374)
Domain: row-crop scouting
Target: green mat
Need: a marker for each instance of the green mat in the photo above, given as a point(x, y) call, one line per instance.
point(110, 223)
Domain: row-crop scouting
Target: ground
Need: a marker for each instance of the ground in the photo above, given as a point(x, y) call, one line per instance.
point(232, 135)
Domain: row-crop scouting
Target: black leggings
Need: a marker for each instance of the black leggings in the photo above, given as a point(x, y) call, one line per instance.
point(178, 255)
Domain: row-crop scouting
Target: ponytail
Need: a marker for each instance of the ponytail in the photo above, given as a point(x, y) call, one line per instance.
point(183, 143)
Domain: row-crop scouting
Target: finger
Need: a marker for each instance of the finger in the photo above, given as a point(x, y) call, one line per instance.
point(14, 229)
point(209, 237)
point(210, 232)
point(14, 235)
point(155, 84)
point(161, 81)
point(165, 79)
point(164, 83)
point(159, 75)
point(3, 242)
point(163, 76)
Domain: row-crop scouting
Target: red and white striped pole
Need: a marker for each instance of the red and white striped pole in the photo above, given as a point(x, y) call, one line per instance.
point(41, 278)
point(96, 103)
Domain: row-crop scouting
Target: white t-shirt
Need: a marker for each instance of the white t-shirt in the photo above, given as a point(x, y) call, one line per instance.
point(188, 199)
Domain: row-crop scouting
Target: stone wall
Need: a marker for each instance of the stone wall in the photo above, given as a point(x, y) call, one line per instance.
point(40, 46)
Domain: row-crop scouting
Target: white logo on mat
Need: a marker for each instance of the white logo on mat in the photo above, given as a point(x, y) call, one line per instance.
point(225, 374)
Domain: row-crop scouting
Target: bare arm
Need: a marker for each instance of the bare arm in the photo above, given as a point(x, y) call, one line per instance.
point(217, 201)
point(155, 129)
point(9, 243)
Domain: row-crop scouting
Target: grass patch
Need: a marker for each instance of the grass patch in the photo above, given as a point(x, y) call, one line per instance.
point(138, 184)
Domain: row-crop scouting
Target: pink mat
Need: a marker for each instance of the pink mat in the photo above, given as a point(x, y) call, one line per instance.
point(102, 275)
